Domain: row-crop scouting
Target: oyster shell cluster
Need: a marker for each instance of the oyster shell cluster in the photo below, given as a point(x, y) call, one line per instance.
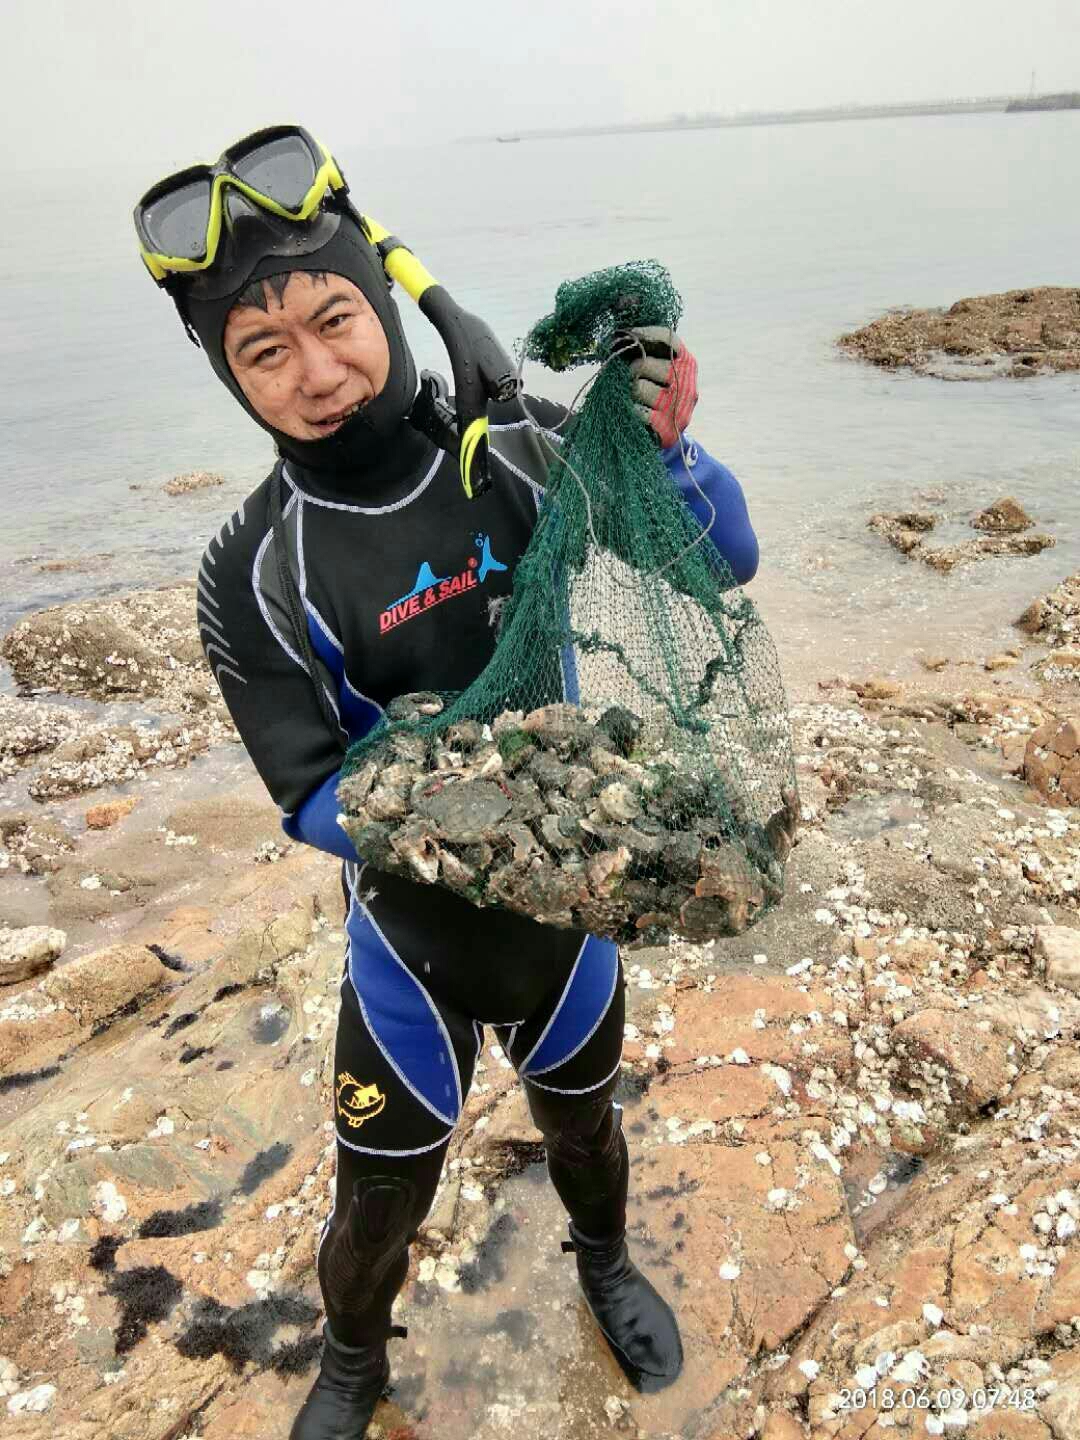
point(591, 825)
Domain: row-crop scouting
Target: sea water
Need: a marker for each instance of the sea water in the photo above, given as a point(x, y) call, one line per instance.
point(779, 238)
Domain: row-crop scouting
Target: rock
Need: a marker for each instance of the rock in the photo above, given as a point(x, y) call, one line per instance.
point(947, 557)
point(725, 1021)
point(1056, 614)
point(1004, 517)
point(905, 529)
point(720, 1196)
point(193, 480)
point(144, 644)
point(1061, 1409)
point(1059, 946)
point(999, 662)
point(782, 1426)
point(1052, 761)
point(510, 1123)
point(26, 951)
point(29, 728)
point(97, 985)
point(945, 1054)
point(933, 663)
point(101, 817)
point(876, 688)
point(1018, 333)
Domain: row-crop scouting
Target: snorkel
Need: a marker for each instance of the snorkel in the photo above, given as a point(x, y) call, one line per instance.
point(482, 370)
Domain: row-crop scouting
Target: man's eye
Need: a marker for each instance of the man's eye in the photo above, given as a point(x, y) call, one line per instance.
point(270, 353)
point(337, 320)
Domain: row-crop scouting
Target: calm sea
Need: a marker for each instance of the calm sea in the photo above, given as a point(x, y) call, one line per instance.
point(779, 239)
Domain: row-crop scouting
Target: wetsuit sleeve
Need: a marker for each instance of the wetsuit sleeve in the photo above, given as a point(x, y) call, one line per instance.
point(730, 531)
point(247, 637)
point(314, 822)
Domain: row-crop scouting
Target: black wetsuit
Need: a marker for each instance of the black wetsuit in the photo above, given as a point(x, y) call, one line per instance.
point(397, 571)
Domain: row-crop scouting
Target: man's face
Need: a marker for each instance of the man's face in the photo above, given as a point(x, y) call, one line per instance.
point(307, 361)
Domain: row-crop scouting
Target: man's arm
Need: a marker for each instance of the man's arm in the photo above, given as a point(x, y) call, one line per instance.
point(706, 483)
point(314, 822)
point(251, 649)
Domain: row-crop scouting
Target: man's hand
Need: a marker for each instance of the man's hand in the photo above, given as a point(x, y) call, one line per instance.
point(664, 381)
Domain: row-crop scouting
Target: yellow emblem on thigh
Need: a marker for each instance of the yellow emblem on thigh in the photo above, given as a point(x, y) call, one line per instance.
point(355, 1102)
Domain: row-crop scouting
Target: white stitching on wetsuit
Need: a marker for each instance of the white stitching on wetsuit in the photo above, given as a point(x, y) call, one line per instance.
point(544, 1069)
point(325, 1233)
point(585, 1089)
point(312, 610)
point(554, 1014)
point(521, 475)
point(528, 425)
point(420, 1149)
point(431, 1005)
point(256, 585)
point(335, 706)
point(370, 509)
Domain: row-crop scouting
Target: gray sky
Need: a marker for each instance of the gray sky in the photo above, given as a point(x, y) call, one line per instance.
point(153, 87)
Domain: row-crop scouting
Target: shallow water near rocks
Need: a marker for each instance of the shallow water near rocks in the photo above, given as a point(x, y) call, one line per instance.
point(481, 1362)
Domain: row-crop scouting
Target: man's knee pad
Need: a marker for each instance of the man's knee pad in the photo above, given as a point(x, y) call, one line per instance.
point(586, 1134)
point(589, 1120)
point(358, 1254)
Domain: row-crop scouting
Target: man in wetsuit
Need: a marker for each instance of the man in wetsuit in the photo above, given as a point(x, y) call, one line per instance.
point(297, 321)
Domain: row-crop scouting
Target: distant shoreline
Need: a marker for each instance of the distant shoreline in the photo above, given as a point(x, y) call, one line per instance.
point(983, 105)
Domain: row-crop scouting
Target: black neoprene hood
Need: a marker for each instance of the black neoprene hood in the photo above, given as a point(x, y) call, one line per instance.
point(255, 245)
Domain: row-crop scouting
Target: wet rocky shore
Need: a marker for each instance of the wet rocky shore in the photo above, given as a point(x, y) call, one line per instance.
point(854, 1130)
point(1018, 333)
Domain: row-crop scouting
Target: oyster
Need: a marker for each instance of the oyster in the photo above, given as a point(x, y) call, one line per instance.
point(545, 813)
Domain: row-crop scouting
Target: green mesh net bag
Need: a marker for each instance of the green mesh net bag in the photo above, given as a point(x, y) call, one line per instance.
point(623, 764)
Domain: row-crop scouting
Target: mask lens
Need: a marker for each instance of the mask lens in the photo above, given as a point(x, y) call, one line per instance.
point(176, 221)
point(281, 169)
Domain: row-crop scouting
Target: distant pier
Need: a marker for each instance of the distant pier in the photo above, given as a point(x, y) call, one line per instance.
point(980, 105)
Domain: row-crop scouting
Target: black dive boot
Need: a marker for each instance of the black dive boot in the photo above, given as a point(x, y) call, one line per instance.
point(342, 1401)
point(638, 1325)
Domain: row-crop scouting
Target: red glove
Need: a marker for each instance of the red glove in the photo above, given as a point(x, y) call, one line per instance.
point(664, 382)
